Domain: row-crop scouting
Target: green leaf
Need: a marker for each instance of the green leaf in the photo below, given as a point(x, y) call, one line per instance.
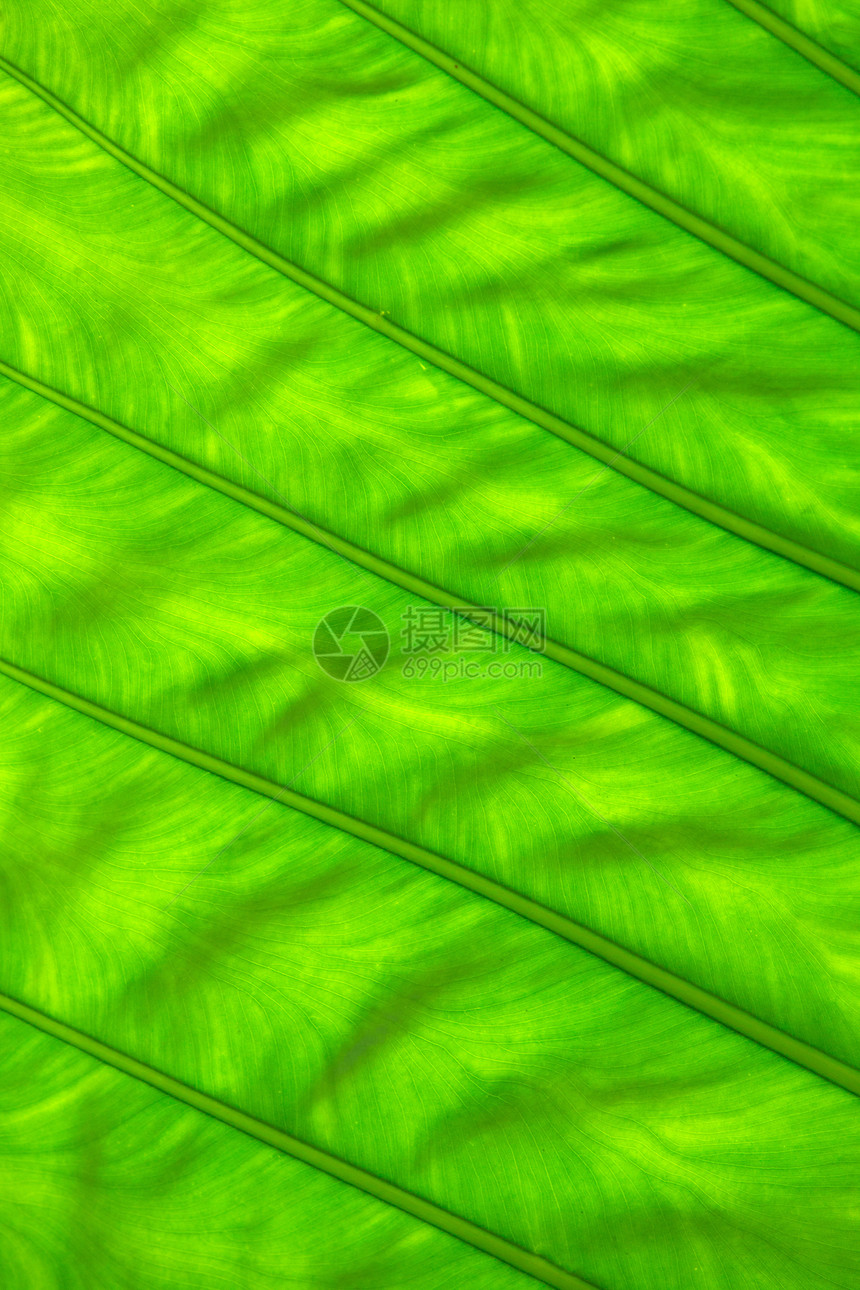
point(539, 961)
point(825, 33)
point(96, 1166)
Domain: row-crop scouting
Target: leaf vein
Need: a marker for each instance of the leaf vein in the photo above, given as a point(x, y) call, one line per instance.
point(679, 215)
point(426, 1211)
point(678, 494)
point(635, 965)
point(800, 42)
point(697, 723)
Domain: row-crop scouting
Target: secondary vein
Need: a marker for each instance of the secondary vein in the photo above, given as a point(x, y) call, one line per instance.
point(453, 1224)
point(697, 723)
point(778, 274)
point(679, 494)
point(635, 965)
point(800, 43)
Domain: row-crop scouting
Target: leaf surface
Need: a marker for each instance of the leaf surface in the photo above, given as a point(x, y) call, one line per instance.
point(296, 316)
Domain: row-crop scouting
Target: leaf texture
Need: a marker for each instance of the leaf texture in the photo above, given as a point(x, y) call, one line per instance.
point(553, 965)
point(204, 1207)
point(827, 33)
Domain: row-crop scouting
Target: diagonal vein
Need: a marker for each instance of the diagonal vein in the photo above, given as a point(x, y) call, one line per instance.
point(453, 1224)
point(635, 965)
point(800, 43)
point(679, 494)
point(778, 274)
point(697, 723)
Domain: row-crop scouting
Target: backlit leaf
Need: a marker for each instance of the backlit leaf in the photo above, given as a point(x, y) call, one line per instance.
point(348, 940)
